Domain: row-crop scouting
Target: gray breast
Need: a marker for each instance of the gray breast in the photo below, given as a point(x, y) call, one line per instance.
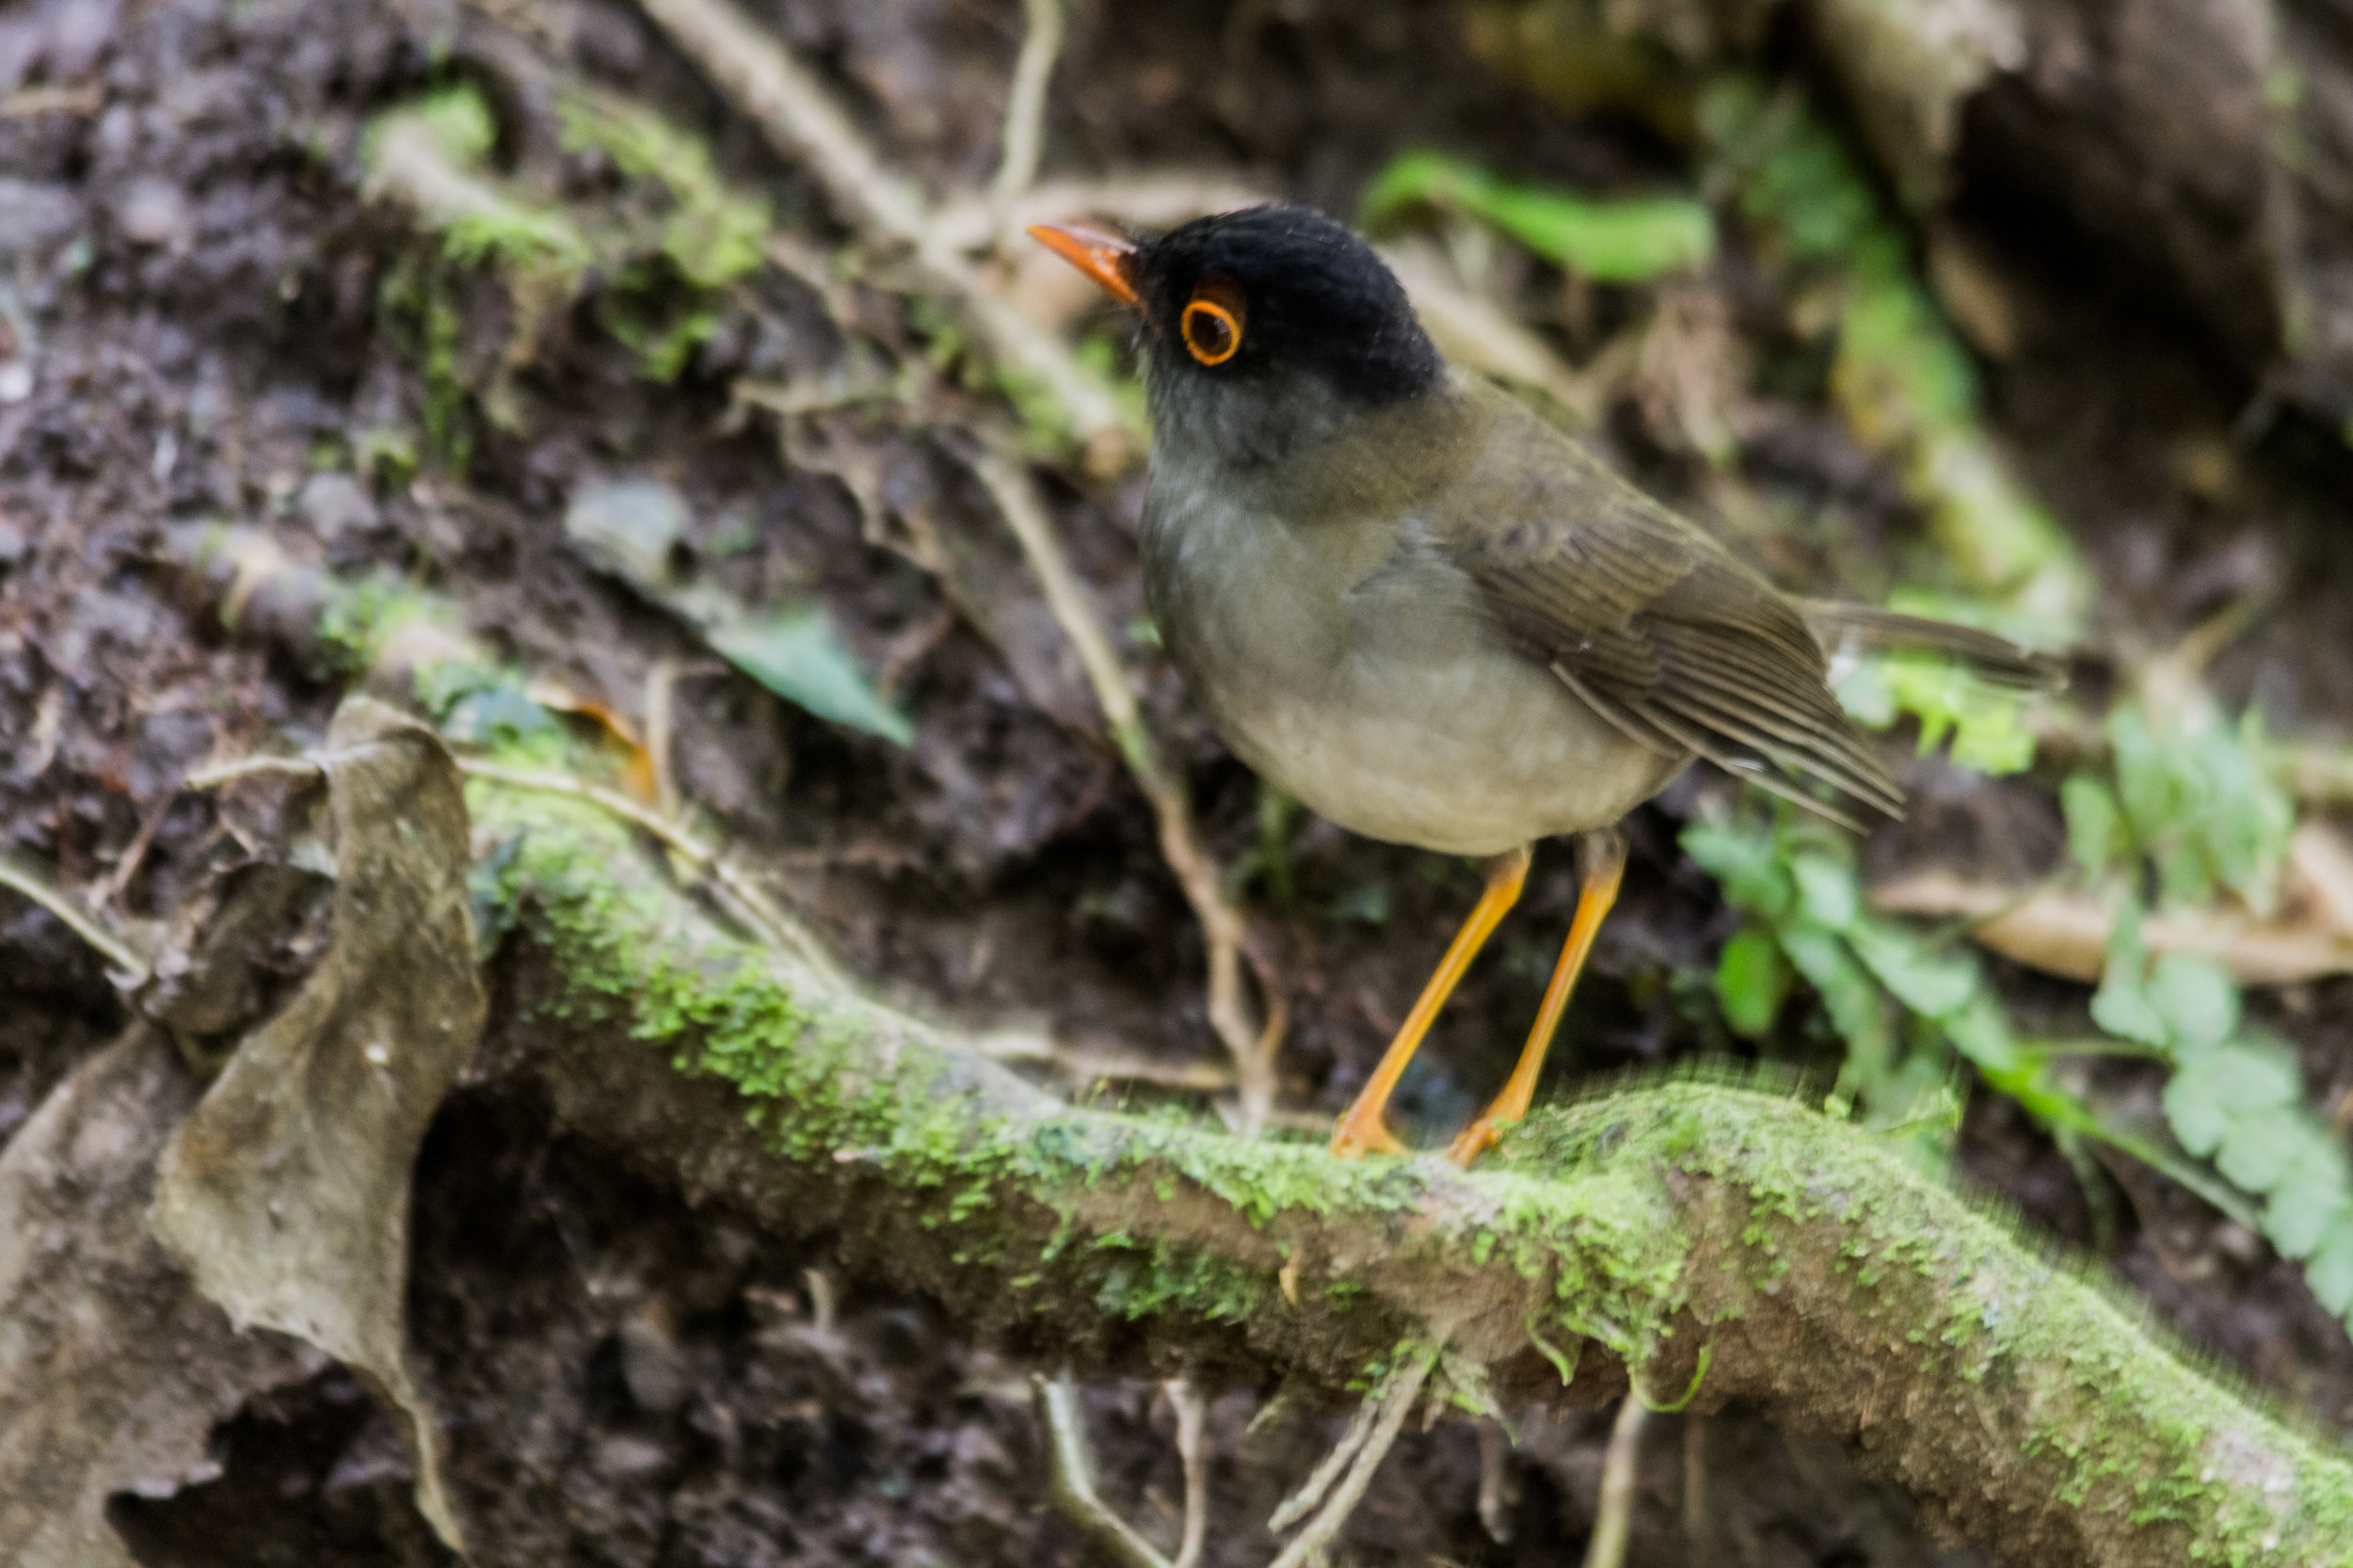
point(1355, 668)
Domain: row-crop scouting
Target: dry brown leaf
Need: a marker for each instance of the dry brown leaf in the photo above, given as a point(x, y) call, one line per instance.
point(113, 1369)
point(285, 1192)
point(640, 771)
point(2065, 932)
point(2319, 878)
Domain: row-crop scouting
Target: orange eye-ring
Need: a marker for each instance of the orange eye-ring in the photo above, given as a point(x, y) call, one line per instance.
point(1211, 324)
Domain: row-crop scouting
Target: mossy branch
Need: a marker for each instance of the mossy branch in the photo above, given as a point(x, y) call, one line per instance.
point(2020, 1401)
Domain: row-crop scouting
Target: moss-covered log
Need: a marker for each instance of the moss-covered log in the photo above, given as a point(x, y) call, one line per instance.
point(1672, 1230)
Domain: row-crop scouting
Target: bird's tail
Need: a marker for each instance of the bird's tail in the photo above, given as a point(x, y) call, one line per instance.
point(1866, 628)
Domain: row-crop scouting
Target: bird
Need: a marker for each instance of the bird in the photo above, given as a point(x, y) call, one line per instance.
point(1406, 598)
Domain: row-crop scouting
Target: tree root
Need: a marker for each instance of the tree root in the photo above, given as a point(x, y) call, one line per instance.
point(1389, 1410)
point(1073, 1476)
point(1613, 1519)
point(2018, 1399)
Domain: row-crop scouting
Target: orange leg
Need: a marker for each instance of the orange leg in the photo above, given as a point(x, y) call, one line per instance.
point(1601, 861)
point(1362, 1131)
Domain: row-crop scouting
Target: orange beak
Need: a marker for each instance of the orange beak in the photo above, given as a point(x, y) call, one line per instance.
point(1106, 258)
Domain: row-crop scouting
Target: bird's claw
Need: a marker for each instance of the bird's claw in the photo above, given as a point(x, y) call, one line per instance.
point(1473, 1141)
point(1358, 1136)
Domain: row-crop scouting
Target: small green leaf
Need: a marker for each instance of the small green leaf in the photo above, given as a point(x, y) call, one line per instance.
point(2196, 999)
point(2122, 1005)
point(1987, 723)
point(2125, 1010)
point(1611, 241)
point(481, 706)
point(460, 124)
point(1930, 983)
point(2330, 1271)
point(2207, 1099)
point(2094, 824)
point(2257, 1150)
point(1745, 862)
point(2184, 874)
point(630, 527)
point(2310, 1200)
point(2203, 798)
point(1868, 696)
point(2256, 1074)
point(1856, 1008)
point(2144, 784)
point(797, 656)
point(2200, 1123)
point(499, 714)
point(1827, 893)
point(2249, 861)
point(1981, 1032)
point(1751, 981)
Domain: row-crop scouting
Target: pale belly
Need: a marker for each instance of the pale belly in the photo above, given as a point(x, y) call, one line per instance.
point(1465, 758)
point(1382, 699)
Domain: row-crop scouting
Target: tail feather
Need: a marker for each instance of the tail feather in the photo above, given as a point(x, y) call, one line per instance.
point(1840, 626)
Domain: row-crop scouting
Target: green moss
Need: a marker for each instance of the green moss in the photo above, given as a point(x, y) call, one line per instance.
point(710, 233)
point(1602, 1256)
point(421, 316)
point(2139, 1427)
point(1590, 1203)
point(683, 234)
point(501, 226)
point(359, 617)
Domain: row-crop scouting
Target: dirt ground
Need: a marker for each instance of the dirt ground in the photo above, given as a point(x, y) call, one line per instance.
point(188, 271)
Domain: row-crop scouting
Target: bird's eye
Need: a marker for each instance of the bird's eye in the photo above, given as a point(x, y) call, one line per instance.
point(1211, 324)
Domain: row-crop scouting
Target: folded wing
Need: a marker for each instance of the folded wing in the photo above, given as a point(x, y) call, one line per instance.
point(1667, 635)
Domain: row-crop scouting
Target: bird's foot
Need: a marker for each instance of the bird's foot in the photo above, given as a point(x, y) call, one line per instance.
point(1476, 1140)
point(1360, 1134)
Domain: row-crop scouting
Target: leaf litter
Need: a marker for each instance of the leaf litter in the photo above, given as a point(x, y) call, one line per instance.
point(285, 1192)
point(166, 1255)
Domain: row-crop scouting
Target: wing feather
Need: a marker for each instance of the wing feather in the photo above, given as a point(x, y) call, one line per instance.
point(1654, 625)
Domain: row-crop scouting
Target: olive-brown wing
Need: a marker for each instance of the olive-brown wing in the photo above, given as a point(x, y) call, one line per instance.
point(1662, 631)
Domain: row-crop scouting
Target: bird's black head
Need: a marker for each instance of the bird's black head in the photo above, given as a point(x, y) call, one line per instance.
point(1271, 291)
point(1261, 323)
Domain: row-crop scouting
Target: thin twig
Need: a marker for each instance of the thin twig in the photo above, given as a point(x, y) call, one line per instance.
point(797, 115)
point(750, 902)
point(661, 687)
point(1396, 1402)
point(1311, 1490)
point(824, 1309)
point(1025, 117)
point(1698, 1536)
point(120, 955)
point(1251, 1045)
point(306, 768)
point(1073, 1476)
point(1496, 1492)
point(1208, 1077)
point(1191, 1412)
point(1134, 198)
point(26, 102)
point(1614, 1516)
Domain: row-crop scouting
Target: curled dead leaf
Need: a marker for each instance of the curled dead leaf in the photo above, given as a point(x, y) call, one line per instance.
point(2065, 932)
point(285, 1192)
point(113, 1369)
